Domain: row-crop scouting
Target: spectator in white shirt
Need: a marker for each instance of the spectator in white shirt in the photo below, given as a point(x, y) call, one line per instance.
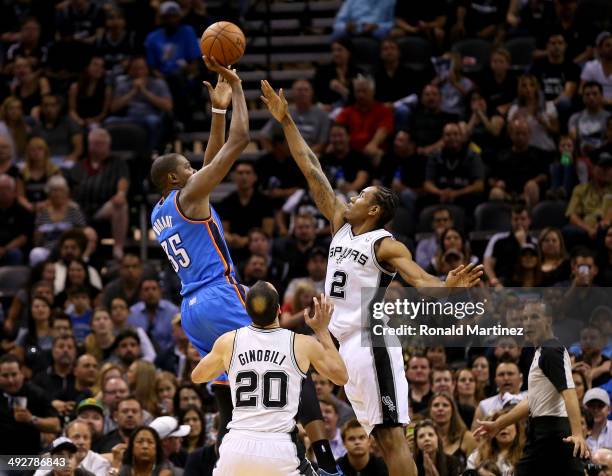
point(332, 432)
point(600, 70)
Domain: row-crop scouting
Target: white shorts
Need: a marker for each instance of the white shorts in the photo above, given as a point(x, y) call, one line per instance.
point(255, 453)
point(377, 387)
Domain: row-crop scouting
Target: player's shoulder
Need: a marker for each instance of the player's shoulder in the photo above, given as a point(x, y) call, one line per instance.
point(226, 340)
point(389, 247)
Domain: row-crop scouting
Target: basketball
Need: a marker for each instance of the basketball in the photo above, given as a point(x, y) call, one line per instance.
point(223, 40)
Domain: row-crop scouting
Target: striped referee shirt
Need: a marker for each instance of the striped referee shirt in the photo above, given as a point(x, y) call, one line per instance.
point(549, 375)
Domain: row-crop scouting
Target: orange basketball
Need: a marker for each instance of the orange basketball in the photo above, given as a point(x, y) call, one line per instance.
point(223, 40)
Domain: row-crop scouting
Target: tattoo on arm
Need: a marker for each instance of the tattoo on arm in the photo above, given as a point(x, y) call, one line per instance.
point(320, 187)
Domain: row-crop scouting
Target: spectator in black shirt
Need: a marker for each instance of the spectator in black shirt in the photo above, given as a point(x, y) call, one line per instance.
point(29, 47)
point(393, 80)
point(127, 285)
point(428, 121)
point(498, 84)
point(128, 416)
point(456, 173)
point(117, 44)
point(426, 19)
point(347, 169)
point(67, 58)
point(100, 183)
point(16, 223)
point(484, 126)
point(296, 248)
point(558, 76)
point(244, 209)
point(358, 461)
point(480, 19)
point(418, 374)
point(85, 17)
point(22, 419)
point(521, 170)
point(255, 269)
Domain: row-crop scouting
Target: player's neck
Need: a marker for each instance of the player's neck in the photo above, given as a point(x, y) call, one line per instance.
point(363, 227)
point(273, 325)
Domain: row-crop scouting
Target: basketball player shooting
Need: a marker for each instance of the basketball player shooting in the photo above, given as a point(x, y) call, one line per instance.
point(364, 258)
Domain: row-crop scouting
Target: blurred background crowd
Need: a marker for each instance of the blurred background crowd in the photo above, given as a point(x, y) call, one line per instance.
point(492, 120)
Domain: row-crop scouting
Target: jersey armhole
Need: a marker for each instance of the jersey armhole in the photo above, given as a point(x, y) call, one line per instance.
point(293, 359)
point(334, 234)
point(184, 216)
point(375, 260)
point(231, 363)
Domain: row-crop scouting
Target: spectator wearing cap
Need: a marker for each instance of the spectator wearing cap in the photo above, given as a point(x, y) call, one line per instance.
point(586, 206)
point(91, 411)
point(25, 410)
point(173, 52)
point(171, 434)
point(600, 70)
point(597, 403)
point(312, 122)
point(364, 18)
point(154, 314)
point(79, 432)
point(588, 127)
point(244, 209)
point(128, 416)
point(65, 448)
point(369, 122)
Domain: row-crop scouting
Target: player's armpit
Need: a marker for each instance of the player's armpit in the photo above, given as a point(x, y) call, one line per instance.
point(326, 361)
point(216, 362)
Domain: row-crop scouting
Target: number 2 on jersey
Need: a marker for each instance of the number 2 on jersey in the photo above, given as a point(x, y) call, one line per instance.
point(177, 255)
point(337, 285)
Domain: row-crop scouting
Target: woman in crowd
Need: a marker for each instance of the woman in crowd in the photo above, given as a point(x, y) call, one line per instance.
point(499, 83)
point(165, 389)
point(37, 170)
point(541, 115)
point(527, 271)
point(581, 382)
point(554, 262)
point(453, 250)
point(292, 316)
point(143, 456)
point(89, 98)
point(76, 277)
point(482, 371)
point(457, 440)
point(141, 381)
point(430, 458)
point(29, 86)
point(59, 215)
point(466, 389)
point(484, 127)
point(504, 449)
point(14, 126)
point(185, 396)
point(193, 417)
point(108, 371)
point(36, 341)
point(333, 82)
point(100, 342)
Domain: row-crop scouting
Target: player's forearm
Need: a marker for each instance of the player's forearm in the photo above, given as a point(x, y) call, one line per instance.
point(518, 413)
point(216, 139)
point(573, 410)
point(207, 369)
point(239, 127)
point(308, 163)
point(337, 370)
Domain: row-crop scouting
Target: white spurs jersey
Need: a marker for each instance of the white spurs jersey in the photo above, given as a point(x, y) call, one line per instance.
point(265, 380)
point(353, 277)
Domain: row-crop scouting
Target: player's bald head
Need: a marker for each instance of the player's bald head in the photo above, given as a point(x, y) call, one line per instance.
point(262, 303)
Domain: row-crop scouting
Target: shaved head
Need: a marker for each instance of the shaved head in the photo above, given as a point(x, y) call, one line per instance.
point(162, 166)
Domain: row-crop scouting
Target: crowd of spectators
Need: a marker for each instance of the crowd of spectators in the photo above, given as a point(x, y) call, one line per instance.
point(92, 346)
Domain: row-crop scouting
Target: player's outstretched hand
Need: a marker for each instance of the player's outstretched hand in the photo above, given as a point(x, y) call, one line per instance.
point(221, 94)
point(276, 103)
point(228, 74)
point(464, 276)
point(581, 450)
point(487, 429)
point(323, 311)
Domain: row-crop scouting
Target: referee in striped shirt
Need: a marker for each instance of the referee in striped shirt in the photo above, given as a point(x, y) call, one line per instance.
point(555, 442)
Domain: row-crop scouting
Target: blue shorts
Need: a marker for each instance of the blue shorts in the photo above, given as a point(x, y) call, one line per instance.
point(210, 312)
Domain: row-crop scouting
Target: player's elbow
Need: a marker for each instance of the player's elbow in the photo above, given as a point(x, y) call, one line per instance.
point(197, 376)
point(340, 375)
point(241, 138)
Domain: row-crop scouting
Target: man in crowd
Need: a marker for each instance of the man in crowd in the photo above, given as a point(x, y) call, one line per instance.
point(127, 416)
point(120, 314)
point(317, 267)
point(598, 70)
point(173, 359)
point(597, 403)
point(16, 223)
point(171, 435)
point(325, 391)
point(418, 375)
point(332, 431)
point(127, 285)
point(72, 245)
point(91, 412)
point(427, 248)
point(588, 127)
point(127, 348)
point(114, 390)
point(358, 460)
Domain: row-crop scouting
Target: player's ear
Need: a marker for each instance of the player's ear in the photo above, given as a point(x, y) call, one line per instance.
point(374, 209)
point(172, 178)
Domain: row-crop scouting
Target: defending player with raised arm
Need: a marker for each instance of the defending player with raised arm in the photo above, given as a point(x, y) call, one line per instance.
point(320, 352)
point(371, 209)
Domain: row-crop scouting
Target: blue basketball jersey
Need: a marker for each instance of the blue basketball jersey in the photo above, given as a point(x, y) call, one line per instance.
point(196, 249)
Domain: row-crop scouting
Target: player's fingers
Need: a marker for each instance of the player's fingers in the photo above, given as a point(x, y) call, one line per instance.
point(208, 86)
point(265, 101)
point(220, 78)
point(281, 93)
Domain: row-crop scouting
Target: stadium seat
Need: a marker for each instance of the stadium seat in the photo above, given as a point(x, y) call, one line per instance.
point(366, 52)
point(493, 216)
point(549, 213)
point(478, 50)
point(521, 50)
point(426, 215)
point(403, 222)
point(128, 139)
point(12, 279)
point(416, 52)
